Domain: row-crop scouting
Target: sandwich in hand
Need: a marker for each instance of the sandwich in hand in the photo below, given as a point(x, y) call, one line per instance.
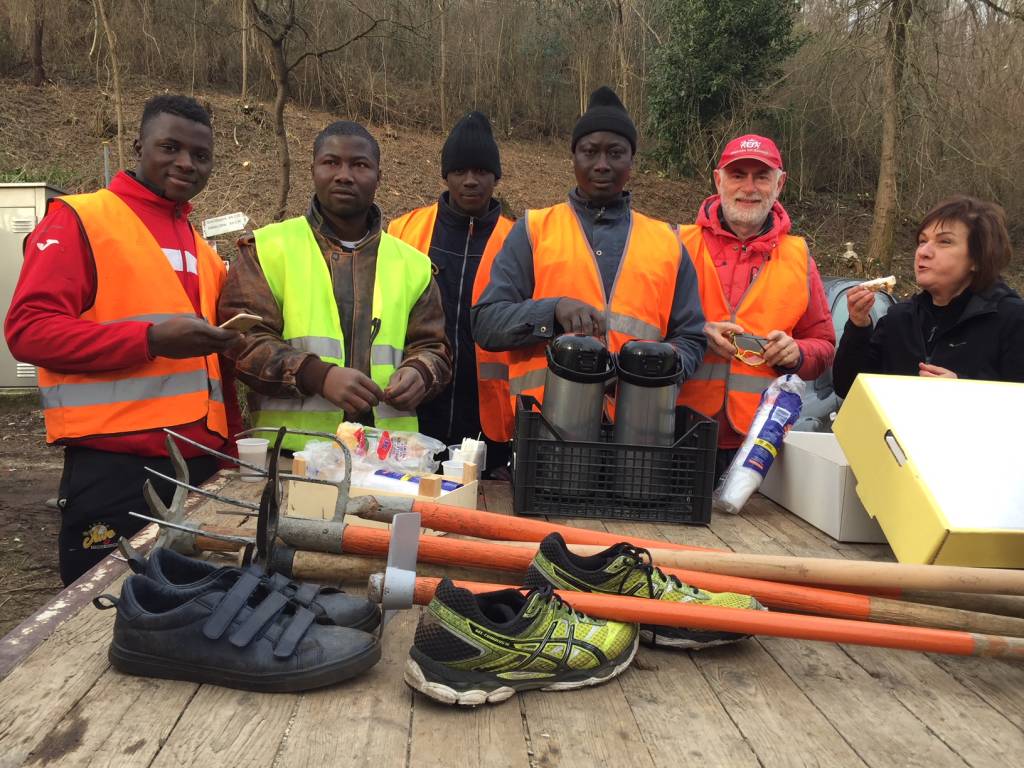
point(887, 284)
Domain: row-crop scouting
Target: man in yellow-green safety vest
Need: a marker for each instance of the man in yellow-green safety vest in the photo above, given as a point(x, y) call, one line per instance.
point(353, 326)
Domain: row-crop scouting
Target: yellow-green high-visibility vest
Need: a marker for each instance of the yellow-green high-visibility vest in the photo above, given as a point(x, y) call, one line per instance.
point(300, 280)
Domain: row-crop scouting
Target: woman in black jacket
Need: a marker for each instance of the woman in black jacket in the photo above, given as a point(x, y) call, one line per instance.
point(965, 323)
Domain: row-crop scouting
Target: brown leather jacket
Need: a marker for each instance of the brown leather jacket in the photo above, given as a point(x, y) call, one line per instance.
point(272, 367)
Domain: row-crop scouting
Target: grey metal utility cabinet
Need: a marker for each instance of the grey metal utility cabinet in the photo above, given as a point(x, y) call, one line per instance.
point(21, 208)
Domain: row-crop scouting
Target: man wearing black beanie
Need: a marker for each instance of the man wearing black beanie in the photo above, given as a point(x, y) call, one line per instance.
point(591, 265)
point(461, 233)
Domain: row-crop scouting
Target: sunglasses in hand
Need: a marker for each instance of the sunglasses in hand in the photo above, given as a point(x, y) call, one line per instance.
point(749, 348)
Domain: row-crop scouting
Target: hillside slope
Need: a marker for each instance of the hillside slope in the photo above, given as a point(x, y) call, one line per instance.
point(56, 132)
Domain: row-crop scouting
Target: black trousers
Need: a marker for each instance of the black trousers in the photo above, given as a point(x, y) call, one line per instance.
point(97, 491)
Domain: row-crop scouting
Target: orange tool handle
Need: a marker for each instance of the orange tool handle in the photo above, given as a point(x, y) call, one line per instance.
point(691, 616)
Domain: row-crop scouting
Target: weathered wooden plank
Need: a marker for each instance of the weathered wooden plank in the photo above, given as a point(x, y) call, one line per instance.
point(782, 726)
point(785, 529)
point(496, 497)
point(41, 690)
point(867, 714)
point(691, 535)
point(587, 727)
point(976, 731)
point(121, 721)
point(492, 735)
point(223, 726)
point(363, 721)
point(998, 683)
point(677, 712)
point(556, 720)
point(741, 535)
point(874, 716)
point(679, 715)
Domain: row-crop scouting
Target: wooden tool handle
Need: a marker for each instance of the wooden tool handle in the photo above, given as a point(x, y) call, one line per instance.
point(837, 572)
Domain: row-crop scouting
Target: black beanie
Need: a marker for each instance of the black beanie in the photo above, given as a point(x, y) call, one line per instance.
point(471, 145)
point(605, 112)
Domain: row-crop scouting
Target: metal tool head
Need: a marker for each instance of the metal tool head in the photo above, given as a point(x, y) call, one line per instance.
point(344, 485)
point(269, 507)
point(395, 588)
point(181, 537)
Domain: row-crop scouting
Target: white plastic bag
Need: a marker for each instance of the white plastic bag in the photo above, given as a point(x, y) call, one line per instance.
point(407, 452)
point(778, 411)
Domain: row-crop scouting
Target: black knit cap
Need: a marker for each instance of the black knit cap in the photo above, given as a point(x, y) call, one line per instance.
point(471, 145)
point(605, 112)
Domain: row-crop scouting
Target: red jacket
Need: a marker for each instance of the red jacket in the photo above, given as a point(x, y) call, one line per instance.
point(738, 262)
point(58, 282)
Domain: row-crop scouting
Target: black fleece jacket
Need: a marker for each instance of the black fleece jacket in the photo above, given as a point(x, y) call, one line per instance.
point(986, 342)
point(456, 247)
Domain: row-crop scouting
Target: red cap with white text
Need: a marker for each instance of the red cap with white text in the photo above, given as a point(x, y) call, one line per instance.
point(751, 147)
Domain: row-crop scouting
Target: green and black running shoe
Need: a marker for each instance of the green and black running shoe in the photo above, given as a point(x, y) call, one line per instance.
point(475, 649)
point(626, 570)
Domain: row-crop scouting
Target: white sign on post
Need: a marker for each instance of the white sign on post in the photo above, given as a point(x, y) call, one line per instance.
point(219, 225)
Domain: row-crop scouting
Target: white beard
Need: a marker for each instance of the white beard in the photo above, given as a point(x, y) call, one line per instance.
point(745, 215)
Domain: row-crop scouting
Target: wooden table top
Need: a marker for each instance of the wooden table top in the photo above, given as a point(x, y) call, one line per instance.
point(761, 702)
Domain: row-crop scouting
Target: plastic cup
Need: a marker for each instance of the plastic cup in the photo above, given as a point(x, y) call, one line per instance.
point(455, 452)
point(452, 468)
point(254, 451)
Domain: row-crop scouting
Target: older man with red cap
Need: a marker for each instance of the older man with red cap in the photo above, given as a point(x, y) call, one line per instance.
point(762, 296)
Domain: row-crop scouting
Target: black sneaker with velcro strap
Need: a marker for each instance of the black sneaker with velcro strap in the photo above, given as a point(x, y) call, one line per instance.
point(329, 604)
point(242, 636)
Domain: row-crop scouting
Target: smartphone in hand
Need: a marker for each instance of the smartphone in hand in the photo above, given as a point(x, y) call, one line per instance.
point(241, 322)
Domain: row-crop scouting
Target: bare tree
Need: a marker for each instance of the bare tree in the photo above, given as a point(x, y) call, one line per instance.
point(36, 44)
point(115, 69)
point(276, 20)
point(886, 196)
point(245, 48)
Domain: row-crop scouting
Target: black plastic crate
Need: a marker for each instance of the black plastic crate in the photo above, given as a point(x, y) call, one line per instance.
point(644, 483)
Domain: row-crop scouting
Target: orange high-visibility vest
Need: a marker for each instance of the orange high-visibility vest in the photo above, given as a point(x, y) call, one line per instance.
point(134, 281)
point(497, 419)
point(776, 300)
point(565, 266)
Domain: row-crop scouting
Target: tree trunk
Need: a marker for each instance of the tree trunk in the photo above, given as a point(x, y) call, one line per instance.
point(116, 71)
point(245, 48)
point(886, 203)
point(36, 44)
point(280, 72)
point(620, 47)
point(442, 84)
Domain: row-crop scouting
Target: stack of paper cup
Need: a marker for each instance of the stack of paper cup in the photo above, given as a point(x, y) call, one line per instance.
point(254, 451)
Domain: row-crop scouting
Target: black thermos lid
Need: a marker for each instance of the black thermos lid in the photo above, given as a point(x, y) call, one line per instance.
point(649, 363)
point(580, 358)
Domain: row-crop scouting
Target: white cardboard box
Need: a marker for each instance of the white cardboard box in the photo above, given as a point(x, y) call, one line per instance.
point(812, 479)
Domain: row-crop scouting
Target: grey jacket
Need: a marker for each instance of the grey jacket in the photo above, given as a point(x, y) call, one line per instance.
point(507, 316)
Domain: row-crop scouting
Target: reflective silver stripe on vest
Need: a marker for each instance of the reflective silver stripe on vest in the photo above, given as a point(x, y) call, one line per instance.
point(492, 372)
point(384, 354)
point(528, 381)
point(753, 385)
point(630, 326)
point(710, 372)
point(216, 391)
point(321, 346)
point(154, 318)
point(385, 411)
point(123, 390)
point(313, 404)
point(737, 381)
